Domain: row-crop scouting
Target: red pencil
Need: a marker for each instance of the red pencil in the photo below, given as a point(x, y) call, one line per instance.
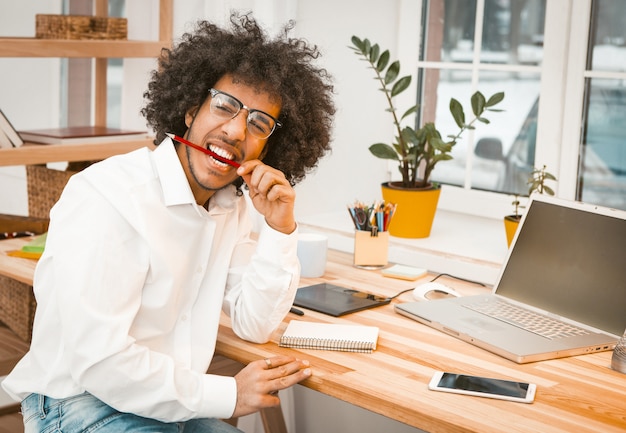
point(202, 149)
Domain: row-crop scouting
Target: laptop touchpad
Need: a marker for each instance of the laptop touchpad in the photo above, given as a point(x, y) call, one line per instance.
point(481, 325)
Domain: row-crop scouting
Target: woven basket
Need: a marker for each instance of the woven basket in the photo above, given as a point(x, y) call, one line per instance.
point(80, 27)
point(17, 307)
point(44, 188)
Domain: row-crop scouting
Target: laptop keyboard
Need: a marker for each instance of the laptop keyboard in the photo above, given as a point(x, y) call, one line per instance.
point(526, 319)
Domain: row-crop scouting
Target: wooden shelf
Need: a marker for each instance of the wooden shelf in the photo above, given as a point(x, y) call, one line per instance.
point(41, 153)
point(32, 47)
point(100, 50)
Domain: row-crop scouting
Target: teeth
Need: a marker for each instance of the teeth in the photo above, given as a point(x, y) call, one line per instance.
point(221, 152)
point(218, 162)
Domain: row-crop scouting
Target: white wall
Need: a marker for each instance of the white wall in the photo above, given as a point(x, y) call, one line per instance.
point(350, 172)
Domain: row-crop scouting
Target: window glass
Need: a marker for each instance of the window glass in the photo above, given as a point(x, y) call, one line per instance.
point(115, 71)
point(602, 171)
point(500, 155)
point(504, 150)
point(512, 31)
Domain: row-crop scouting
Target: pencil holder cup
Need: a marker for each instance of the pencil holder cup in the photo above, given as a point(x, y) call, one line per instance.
point(618, 361)
point(370, 249)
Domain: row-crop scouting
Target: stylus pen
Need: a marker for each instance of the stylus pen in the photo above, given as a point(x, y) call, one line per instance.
point(296, 311)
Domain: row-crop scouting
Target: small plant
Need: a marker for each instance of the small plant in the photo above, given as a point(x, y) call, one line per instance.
point(536, 183)
point(517, 206)
point(424, 146)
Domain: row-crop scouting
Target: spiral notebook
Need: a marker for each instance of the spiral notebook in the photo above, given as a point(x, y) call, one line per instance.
point(330, 336)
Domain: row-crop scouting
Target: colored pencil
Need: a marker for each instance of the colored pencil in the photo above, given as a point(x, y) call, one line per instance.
point(202, 149)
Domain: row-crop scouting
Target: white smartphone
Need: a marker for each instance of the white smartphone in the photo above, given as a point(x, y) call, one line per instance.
point(522, 392)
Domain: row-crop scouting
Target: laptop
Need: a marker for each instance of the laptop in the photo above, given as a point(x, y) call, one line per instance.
point(564, 274)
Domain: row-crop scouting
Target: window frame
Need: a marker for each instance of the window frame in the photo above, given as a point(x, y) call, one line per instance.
point(561, 89)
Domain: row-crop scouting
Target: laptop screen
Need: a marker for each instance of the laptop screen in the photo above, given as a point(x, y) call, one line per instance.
point(569, 258)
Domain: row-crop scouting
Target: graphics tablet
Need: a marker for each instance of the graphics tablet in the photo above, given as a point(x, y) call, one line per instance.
point(336, 300)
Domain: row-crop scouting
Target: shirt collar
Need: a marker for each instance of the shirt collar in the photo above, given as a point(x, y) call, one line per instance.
point(176, 189)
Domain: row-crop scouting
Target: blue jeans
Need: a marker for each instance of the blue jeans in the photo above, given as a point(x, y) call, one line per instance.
point(84, 413)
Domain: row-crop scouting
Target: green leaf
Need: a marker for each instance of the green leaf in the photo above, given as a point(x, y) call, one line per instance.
point(410, 136)
point(440, 145)
point(441, 157)
point(533, 186)
point(384, 151)
point(483, 120)
point(401, 85)
point(478, 104)
point(367, 46)
point(548, 176)
point(496, 98)
point(457, 112)
point(392, 72)
point(357, 42)
point(548, 190)
point(383, 60)
point(410, 111)
point(374, 52)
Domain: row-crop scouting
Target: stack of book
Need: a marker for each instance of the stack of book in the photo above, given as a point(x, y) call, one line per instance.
point(79, 134)
point(10, 138)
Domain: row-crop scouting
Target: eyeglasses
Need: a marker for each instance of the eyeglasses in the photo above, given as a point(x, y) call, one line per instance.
point(260, 124)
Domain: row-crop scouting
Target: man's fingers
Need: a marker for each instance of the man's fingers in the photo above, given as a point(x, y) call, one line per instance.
point(261, 178)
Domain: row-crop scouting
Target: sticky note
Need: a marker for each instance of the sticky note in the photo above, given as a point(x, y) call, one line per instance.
point(404, 272)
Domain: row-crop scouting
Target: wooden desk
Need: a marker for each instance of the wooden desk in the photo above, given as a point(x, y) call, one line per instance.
point(579, 394)
point(15, 267)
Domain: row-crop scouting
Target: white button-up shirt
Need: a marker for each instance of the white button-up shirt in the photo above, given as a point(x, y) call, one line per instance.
point(131, 284)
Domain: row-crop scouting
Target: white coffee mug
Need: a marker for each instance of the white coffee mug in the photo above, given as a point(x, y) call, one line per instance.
point(312, 248)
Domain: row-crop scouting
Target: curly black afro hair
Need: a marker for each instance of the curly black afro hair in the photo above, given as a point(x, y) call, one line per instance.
point(281, 67)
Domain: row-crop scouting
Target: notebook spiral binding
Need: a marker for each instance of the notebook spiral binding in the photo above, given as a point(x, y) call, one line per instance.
point(327, 344)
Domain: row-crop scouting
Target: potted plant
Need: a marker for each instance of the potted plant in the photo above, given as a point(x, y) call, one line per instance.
point(536, 183)
point(417, 151)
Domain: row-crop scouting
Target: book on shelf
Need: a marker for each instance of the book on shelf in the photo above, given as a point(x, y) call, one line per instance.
point(5, 142)
point(9, 132)
point(33, 249)
point(330, 336)
point(80, 134)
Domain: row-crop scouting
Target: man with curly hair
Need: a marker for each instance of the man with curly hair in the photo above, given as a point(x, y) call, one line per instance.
point(146, 249)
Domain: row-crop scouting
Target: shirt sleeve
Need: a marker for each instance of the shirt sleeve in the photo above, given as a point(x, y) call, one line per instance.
point(261, 290)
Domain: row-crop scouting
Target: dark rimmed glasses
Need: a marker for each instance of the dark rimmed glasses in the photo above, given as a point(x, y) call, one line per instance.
point(259, 123)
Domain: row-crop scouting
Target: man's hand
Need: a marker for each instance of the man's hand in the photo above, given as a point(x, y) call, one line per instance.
point(271, 194)
point(259, 382)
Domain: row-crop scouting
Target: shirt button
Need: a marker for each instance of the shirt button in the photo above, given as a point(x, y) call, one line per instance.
point(183, 318)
